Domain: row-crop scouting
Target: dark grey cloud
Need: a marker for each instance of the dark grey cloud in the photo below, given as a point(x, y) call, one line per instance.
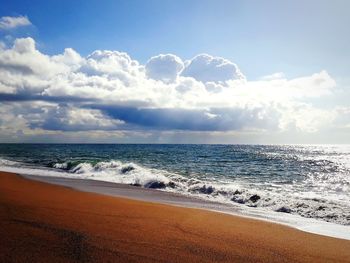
point(16, 68)
point(65, 117)
point(32, 97)
point(215, 119)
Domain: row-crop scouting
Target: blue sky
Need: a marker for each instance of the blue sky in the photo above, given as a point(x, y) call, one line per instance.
point(175, 71)
point(295, 37)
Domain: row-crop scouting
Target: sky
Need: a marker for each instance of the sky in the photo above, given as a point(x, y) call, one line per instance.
point(175, 71)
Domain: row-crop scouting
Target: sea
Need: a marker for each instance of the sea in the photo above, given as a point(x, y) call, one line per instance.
point(309, 181)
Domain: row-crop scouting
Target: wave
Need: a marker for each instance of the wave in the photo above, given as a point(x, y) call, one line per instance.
point(237, 193)
point(117, 172)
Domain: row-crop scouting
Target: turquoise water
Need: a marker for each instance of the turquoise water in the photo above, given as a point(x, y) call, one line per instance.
point(311, 181)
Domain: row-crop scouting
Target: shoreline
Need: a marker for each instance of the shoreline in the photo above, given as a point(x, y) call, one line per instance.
point(309, 225)
point(50, 223)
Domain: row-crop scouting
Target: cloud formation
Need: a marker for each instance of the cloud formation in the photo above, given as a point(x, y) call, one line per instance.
point(207, 68)
point(164, 67)
point(109, 91)
point(11, 22)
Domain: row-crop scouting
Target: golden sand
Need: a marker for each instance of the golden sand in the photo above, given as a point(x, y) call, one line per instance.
point(47, 223)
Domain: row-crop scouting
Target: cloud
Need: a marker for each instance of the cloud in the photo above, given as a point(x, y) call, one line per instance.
point(164, 67)
point(207, 68)
point(11, 22)
point(24, 59)
point(68, 118)
point(277, 75)
point(110, 91)
point(214, 119)
point(54, 117)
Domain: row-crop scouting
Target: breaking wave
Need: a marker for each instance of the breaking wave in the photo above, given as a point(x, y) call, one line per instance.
point(117, 172)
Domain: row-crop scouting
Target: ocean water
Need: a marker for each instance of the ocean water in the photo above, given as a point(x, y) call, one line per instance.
point(309, 181)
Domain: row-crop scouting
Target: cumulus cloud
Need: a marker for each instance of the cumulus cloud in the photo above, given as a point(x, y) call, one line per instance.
point(110, 91)
point(110, 63)
point(10, 22)
point(207, 68)
point(164, 67)
point(24, 59)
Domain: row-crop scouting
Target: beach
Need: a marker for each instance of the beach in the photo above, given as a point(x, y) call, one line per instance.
point(42, 222)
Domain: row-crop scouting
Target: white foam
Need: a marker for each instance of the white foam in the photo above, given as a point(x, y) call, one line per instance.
point(32, 171)
point(113, 171)
point(310, 225)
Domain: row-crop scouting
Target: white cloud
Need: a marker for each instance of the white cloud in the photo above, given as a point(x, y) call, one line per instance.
point(109, 90)
point(303, 117)
point(10, 22)
point(207, 68)
point(24, 45)
point(277, 75)
point(10, 122)
point(69, 57)
point(111, 64)
point(24, 59)
point(164, 67)
point(2, 46)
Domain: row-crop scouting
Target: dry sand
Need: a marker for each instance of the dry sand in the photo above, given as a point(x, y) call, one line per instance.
point(48, 223)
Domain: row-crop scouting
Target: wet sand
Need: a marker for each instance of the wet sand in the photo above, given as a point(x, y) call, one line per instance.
point(42, 222)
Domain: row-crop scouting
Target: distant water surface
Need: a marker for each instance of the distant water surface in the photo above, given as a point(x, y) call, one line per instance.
point(311, 181)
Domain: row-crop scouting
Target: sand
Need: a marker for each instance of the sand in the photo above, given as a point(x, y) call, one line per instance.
point(41, 222)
